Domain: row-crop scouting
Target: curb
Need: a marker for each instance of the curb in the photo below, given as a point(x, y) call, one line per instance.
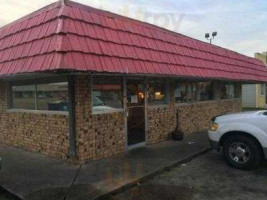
point(152, 175)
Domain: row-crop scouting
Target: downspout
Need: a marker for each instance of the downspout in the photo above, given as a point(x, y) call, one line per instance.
point(257, 96)
point(72, 122)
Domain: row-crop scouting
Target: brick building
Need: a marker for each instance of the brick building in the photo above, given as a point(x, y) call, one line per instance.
point(81, 83)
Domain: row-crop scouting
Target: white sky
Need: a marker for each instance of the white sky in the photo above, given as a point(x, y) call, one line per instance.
point(240, 23)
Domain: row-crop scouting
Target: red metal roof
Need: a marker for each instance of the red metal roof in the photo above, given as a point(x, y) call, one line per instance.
point(76, 37)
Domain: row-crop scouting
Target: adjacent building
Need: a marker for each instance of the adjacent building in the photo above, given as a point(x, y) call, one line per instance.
point(79, 83)
point(254, 95)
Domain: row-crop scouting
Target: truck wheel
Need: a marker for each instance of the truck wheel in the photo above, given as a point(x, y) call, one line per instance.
point(242, 152)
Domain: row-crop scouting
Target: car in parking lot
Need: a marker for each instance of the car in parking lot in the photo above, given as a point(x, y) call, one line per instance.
point(242, 137)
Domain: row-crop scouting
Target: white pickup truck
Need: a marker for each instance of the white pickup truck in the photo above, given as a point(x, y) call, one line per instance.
point(242, 136)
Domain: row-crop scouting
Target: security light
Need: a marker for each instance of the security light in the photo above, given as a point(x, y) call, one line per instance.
point(207, 36)
point(214, 34)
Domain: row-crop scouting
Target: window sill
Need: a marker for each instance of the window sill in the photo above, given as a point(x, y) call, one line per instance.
point(107, 111)
point(38, 112)
point(194, 102)
point(158, 106)
point(204, 102)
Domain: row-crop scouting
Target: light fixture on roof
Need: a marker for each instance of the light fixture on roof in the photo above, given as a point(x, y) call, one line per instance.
point(213, 35)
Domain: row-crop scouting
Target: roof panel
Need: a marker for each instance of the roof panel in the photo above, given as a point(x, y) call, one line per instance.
point(95, 40)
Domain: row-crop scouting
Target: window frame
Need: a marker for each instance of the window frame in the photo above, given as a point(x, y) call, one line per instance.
point(35, 82)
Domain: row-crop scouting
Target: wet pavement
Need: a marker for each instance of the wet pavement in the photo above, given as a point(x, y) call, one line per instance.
point(36, 177)
point(5, 196)
point(207, 177)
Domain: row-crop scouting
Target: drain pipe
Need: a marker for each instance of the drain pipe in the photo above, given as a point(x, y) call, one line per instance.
point(72, 122)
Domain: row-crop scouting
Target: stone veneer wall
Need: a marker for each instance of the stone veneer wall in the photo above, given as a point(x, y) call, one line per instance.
point(197, 116)
point(34, 131)
point(161, 121)
point(98, 135)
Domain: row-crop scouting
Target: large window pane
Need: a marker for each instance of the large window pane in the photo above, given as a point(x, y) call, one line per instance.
point(107, 94)
point(40, 94)
point(180, 92)
point(227, 91)
point(189, 92)
point(23, 97)
point(53, 96)
point(192, 94)
point(157, 92)
point(205, 90)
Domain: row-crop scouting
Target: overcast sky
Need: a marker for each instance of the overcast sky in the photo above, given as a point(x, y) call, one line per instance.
point(241, 24)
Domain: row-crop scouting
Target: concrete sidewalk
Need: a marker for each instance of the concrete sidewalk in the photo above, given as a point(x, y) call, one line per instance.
point(32, 176)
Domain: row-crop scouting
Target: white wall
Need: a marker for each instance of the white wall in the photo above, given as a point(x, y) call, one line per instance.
point(249, 97)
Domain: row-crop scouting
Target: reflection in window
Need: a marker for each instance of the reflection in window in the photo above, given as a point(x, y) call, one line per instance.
point(23, 97)
point(52, 96)
point(157, 91)
point(180, 93)
point(205, 90)
point(227, 91)
point(186, 92)
point(107, 94)
point(192, 94)
point(35, 95)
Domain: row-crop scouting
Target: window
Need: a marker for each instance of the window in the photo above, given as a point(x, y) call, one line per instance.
point(186, 92)
point(205, 91)
point(107, 94)
point(23, 97)
point(262, 89)
point(192, 92)
point(238, 90)
point(180, 92)
point(52, 96)
point(39, 95)
point(157, 92)
point(227, 91)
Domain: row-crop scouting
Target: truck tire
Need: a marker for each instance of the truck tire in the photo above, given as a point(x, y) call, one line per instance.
point(242, 152)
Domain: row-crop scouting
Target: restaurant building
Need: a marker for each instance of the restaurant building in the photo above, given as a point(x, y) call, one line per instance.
point(79, 83)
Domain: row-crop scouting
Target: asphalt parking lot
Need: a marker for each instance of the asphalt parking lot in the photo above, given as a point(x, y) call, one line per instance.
point(5, 196)
point(207, 177)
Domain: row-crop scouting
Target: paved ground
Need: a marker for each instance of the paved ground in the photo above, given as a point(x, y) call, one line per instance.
point(207, 177)
point(23, 173)
point(5, 196)
point(36, 177)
